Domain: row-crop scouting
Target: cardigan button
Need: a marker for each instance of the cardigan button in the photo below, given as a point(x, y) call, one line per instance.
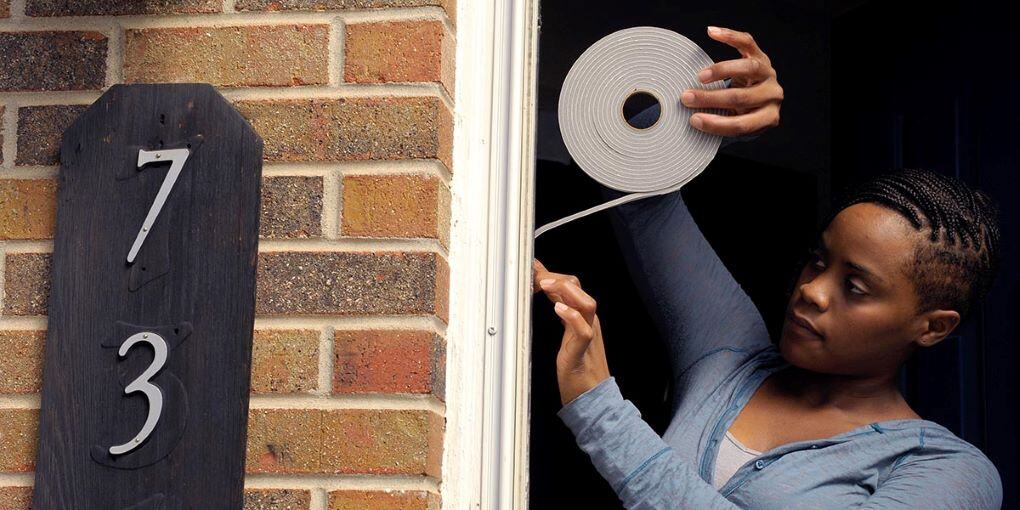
point(759, 464)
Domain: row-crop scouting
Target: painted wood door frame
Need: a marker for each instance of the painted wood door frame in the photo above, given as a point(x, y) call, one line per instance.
point(488, 390)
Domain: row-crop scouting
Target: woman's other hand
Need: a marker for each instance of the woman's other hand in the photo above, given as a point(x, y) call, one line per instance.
point(581, 363)
point(754, 93)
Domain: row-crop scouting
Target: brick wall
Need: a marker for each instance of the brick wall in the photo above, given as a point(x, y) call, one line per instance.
point(354, 101)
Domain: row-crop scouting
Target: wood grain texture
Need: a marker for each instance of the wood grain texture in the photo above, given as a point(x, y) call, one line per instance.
point(193, 283)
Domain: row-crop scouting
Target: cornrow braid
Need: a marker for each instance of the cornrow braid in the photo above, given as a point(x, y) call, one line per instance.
point(957, 264)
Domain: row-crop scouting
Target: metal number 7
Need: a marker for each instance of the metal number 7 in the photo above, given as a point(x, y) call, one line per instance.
point(177, 157)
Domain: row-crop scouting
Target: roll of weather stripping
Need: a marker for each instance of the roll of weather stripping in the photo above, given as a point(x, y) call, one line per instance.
point(645, 162)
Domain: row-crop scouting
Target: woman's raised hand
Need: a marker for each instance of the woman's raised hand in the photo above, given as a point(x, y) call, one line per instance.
point(754, 93)
point(581, 363)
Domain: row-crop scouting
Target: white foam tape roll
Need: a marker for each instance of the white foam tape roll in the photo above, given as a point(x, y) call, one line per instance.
point(644, 162)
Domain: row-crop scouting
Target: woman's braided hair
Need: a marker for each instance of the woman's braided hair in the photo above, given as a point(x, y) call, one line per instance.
point(955, 267)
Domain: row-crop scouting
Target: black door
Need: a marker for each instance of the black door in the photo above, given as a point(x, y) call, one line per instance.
point(935, 88)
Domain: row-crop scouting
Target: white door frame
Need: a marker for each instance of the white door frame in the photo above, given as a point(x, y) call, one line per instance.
point(485, 462)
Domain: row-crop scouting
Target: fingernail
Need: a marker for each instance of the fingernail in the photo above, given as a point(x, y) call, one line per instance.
point(697, 122)
point(687, 98)
point(560, 306)
point(705, 74)
point(546, 282)
point(714, 30)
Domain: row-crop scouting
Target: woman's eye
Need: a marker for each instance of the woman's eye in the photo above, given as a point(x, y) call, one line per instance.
point(854, 289)
point(816, 260)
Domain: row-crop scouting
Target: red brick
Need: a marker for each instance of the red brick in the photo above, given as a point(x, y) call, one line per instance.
point(285, 361)
point(347, 129)
point(291, 207)
point(26, 283)
point(351, 283)
point(277, 499)
point(379, 500)
point(40, 129)
point(119, 7)
point(399, 51)
point(22, 360)
point(15, 498)
point(284, 441)
point(18, 438)
point(442, 289)
point(52, 60)
point(385, 361)
point(271, 55)
point(396, 206)
point(326, 5)
point(28, 208)
point(348, 441)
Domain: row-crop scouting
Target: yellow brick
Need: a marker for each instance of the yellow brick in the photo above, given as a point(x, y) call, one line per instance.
point(272, 55)
point(28, 208)
point(396, 206)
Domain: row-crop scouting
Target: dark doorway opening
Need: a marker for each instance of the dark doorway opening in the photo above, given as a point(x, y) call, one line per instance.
point(869, 86)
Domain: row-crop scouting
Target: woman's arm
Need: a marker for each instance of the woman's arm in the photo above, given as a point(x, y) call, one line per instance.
point(639, 466)
point(693, 299)
point(645, 474)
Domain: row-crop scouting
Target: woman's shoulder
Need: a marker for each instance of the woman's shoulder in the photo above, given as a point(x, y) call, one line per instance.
point(933, 467)
point(933, 436)
point(941, 454)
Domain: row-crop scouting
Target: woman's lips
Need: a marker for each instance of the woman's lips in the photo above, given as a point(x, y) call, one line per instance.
point(802, 324)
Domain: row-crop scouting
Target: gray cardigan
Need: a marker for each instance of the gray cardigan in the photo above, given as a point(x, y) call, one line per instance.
point(720, 352)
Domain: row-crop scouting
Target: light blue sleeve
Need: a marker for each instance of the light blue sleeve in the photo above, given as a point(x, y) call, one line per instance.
point(694, 301)
point(639, 466)
point(646, 475)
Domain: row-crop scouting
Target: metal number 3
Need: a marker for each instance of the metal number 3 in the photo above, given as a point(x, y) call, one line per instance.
point(142, 383)
point(177, 157)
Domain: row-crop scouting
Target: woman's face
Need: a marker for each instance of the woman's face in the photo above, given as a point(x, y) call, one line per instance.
point(855, 291)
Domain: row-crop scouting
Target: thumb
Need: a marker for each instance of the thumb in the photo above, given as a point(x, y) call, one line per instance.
point(578, 333)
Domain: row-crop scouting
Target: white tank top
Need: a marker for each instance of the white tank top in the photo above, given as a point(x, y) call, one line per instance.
point(732, 455)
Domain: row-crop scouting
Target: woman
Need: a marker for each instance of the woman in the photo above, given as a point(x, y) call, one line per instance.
point(817, 421)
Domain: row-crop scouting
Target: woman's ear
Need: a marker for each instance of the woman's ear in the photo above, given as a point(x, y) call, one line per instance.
point(939, 324)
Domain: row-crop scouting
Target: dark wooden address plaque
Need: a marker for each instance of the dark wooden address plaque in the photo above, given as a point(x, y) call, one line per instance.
point(148, 351)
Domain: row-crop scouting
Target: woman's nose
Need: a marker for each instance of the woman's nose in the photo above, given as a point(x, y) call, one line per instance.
point(814, 292)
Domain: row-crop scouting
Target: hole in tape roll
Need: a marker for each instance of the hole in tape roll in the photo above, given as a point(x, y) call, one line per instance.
point(634, 110)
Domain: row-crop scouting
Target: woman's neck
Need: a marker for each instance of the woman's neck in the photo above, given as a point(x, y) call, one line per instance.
point(853, 395)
